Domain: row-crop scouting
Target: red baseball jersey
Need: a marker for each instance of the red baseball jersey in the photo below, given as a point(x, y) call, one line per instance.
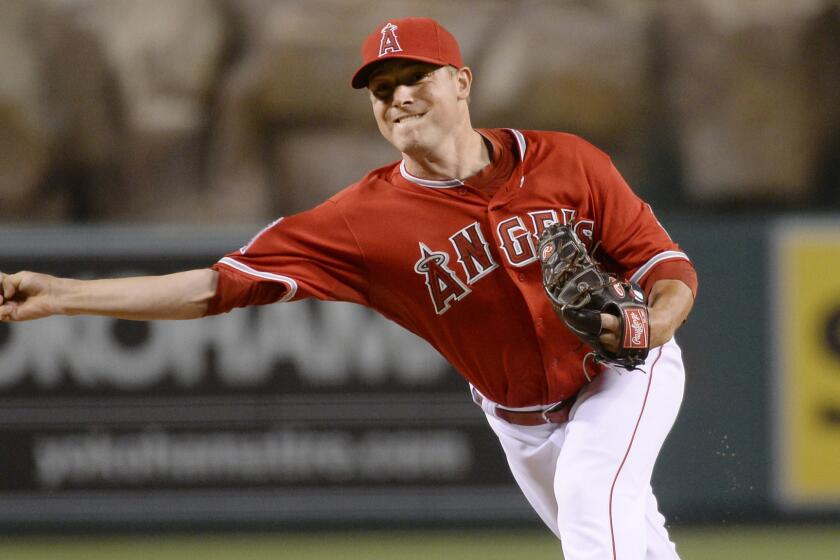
point(455, 262)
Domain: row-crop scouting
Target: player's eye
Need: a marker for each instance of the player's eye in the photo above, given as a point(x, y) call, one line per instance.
point(381, 91)
point(419, 76)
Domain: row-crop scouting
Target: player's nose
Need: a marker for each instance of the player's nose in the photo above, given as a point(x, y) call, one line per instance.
point(403, 95)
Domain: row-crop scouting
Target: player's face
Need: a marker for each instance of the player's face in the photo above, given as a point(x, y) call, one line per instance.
point(416, 104)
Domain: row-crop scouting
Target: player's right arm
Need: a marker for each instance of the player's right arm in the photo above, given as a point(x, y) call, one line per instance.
point(184, 295)
point(311, 254)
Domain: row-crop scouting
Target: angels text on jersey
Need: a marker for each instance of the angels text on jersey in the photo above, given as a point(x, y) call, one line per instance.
point(516, 237)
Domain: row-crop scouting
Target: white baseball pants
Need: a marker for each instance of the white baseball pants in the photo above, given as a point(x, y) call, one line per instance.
point(589, 478)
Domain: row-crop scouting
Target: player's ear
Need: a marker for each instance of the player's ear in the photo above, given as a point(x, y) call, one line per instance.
point(463, 81)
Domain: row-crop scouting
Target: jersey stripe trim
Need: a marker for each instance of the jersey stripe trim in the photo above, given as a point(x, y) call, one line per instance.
point(664, 256)
point(520, 142)
point(265, 275)
point(428, 182)
point(245, 248)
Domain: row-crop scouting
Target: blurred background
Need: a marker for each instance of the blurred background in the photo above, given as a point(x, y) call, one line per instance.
point(145, 136)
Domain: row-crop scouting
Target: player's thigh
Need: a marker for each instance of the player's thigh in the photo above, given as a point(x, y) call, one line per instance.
point(531, 453)
point(658, 541)
point(618, 426)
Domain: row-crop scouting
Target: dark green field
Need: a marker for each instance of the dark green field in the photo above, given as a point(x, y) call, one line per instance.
point(754, 543)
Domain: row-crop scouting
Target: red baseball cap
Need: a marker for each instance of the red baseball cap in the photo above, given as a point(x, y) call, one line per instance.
point(416, 38)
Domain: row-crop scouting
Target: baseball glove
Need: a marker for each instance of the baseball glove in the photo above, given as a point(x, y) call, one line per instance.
point(580, 291)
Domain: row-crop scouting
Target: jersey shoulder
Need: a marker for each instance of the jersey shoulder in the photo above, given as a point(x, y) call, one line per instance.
point(563, 148)
point(374, 180)
point(564, 141)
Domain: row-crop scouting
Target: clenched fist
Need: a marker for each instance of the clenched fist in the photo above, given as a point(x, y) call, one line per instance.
point(27, 295)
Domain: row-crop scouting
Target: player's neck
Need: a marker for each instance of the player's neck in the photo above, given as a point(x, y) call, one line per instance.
point(459, 157)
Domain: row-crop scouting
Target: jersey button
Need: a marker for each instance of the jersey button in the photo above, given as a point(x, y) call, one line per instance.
point(539, 322)
point(462, 190)
point(521, 276)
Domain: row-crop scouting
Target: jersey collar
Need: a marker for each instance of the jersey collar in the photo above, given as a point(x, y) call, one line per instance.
point(428, 182)
point(520, 142)
point(452, 183)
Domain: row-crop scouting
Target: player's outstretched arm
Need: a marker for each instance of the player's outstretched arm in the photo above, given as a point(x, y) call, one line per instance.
point(30, 295)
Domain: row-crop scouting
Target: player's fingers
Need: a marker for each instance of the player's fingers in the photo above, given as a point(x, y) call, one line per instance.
point(609, 324)
point(609, 341)
point(7, 289)
point(7, 311)
point(609, 332)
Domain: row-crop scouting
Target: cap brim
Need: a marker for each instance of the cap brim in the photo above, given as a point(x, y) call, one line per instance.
point(360, 78)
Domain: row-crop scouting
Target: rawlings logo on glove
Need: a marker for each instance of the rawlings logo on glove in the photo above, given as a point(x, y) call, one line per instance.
point(580, 292)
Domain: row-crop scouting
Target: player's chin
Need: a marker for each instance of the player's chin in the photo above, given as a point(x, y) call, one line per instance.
point(411, 140)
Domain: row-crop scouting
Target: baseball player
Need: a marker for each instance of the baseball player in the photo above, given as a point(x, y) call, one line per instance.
point(444, 243)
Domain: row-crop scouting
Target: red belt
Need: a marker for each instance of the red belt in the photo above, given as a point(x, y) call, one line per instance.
point(557, 414)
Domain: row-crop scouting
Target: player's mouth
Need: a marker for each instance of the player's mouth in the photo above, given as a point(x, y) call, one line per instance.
point(409, 118)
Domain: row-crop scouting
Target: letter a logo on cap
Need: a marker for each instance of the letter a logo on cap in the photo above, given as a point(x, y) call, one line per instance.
point(389, 41)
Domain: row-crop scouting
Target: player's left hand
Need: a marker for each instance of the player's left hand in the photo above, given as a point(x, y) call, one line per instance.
point(610, 327)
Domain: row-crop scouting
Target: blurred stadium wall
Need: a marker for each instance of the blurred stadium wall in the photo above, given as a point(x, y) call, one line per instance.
point(240, 110)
